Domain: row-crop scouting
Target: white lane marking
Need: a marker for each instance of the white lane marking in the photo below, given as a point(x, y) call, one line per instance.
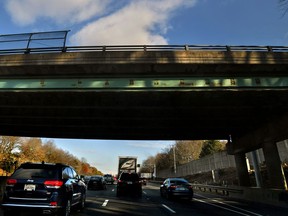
point(113, 189)
point(144, 192)
point(169, 209)
point(221, 207)
point(105, 203)
point(235, 207)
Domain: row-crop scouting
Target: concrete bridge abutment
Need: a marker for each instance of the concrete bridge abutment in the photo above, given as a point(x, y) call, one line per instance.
point(265, 137)
point(274, 167)
point(275, 171)
point(242, 170)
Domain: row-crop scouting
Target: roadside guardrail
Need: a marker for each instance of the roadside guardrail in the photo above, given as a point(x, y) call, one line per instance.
point(55, 42)
point(276, 197)
point(224, 190)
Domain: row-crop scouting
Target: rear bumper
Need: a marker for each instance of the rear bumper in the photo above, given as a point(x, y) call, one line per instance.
point(41, 209)
point(181, 194)
point(16, 205)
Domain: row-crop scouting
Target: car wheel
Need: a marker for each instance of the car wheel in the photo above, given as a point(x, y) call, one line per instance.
point(81, 205)
point(118, 193)
point(10, 212)
point(66, 209)
point(167, 195)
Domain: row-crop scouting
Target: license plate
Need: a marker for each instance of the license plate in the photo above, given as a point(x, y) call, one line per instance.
point(182, 189)
point(29, 187)
point(129, 182)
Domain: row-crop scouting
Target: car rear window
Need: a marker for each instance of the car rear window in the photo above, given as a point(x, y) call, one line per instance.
point(178, 182)
point(129, 177)
point(31, 173)
point(95, 178)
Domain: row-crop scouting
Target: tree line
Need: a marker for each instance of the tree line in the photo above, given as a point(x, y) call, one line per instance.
point(17, 150)
point(180, 153)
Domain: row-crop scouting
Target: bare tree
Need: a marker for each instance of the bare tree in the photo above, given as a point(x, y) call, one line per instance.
point(148, 165)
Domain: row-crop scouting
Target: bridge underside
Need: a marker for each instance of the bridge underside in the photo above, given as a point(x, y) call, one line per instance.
point(139, 115)
point(141, 95)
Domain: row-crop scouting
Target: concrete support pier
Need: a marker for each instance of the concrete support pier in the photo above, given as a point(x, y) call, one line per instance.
point(242, 171)
point(274, 168)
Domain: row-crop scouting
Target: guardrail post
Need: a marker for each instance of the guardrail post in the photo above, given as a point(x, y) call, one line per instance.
point(270, 49)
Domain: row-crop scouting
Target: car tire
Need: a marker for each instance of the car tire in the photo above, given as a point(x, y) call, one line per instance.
point(118, 193)
point(167, 196)
point(66, 209)
point(10, 212)
point(81, 205)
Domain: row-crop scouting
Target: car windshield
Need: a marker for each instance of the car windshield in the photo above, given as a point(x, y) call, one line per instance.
point(30, 173)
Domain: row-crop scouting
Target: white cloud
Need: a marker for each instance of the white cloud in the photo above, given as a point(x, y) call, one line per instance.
point(27, 12)
point(139, 22)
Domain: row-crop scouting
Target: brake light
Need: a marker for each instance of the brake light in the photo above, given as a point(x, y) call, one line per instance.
point(11, 182)
point(53, 203)
point(53, 183)
point(173, 187)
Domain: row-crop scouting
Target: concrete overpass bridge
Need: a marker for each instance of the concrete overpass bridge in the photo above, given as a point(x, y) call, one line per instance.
point(150, 93)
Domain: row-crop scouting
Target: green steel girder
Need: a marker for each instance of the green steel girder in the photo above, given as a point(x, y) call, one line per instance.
point(152, 83)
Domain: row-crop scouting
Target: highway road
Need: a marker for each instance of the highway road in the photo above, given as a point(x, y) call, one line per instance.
point(105, 202)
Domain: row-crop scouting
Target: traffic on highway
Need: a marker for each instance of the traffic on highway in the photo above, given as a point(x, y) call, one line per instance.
point(106, 202)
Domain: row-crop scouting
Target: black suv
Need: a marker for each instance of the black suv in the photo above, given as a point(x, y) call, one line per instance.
point(129, 183)
point(50, 188)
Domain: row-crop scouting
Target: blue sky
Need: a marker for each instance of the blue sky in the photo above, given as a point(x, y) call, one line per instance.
point(112, 22)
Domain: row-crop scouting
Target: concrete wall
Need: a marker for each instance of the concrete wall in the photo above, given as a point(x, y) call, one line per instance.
point(218, 161)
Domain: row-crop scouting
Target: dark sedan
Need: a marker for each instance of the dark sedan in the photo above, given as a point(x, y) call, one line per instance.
point(96, 182)
point(176, 187)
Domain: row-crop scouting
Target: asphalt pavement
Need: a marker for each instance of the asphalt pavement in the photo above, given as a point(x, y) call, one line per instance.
point(105, 202)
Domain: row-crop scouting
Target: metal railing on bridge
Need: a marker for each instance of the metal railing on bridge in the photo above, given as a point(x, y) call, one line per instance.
point(55, 41)
point(33, 42)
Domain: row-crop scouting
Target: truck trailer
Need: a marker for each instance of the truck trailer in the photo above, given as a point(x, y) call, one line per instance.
point(127, 164)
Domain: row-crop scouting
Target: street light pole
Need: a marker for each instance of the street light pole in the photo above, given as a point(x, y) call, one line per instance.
point(174, 159)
